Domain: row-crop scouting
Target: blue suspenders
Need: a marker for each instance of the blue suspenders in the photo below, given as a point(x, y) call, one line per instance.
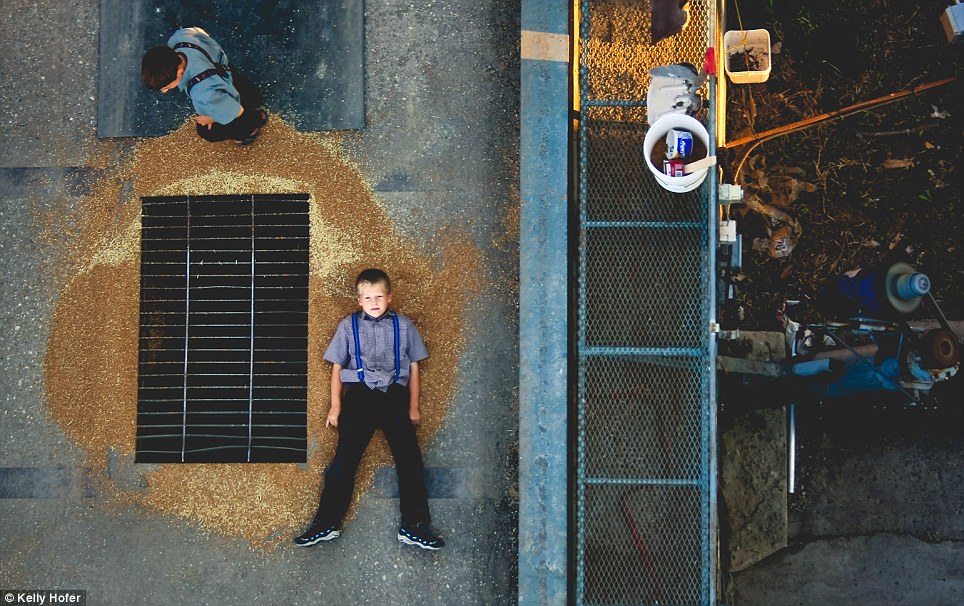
point(354, 331)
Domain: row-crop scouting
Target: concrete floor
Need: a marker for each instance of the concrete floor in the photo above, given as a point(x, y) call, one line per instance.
point(441, 146)
point(876, 519)
point(877, 516)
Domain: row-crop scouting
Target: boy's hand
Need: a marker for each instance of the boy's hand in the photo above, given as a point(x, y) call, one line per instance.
point(332, 420)
point(204, 121)
point(414, 415)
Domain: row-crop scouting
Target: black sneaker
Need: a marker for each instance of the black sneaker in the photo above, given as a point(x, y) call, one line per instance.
point(317, 533)
point(419, 535)
point(262, 120)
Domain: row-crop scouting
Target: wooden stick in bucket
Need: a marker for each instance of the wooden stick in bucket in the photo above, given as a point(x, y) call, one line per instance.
point(692, 167)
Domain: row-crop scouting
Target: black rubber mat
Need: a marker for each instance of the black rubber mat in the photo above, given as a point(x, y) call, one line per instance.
point(223, 367)
point(306, 57)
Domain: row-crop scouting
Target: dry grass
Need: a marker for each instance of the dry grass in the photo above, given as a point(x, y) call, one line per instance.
point(884, 178)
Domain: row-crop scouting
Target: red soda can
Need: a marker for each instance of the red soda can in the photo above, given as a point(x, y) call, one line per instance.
point(673, 168)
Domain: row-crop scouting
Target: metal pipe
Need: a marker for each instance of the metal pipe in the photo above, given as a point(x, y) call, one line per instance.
point(941, 318)
point(792, 448)
point(187, 328)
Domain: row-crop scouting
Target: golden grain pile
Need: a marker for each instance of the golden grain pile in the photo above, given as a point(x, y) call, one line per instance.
point(619, 54)
point(618, 50)
point(91, 363)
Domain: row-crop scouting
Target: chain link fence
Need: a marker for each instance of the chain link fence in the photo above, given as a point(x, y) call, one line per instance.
point(646, 463)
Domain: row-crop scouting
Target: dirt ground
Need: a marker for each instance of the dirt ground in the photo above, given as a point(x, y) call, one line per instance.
point(852, 192)
point(876, 513)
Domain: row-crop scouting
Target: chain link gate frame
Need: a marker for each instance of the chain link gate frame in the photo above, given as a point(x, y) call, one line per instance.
point(645, 468)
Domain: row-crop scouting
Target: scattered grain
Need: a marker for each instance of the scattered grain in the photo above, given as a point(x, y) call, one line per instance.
point(91, 364)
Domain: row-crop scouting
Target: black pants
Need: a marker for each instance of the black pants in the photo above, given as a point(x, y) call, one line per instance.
point(243, 126)
point(363, 411)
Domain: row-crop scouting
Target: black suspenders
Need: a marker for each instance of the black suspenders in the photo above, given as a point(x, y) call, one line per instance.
point(218, 70)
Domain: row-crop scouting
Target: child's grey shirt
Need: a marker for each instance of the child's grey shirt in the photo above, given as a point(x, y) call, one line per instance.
point(377, 340)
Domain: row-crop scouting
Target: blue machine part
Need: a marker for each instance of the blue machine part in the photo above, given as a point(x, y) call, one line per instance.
point(883, 293)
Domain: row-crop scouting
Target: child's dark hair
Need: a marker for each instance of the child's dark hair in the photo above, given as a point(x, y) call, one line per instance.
point(374, 276)
point(159, 67)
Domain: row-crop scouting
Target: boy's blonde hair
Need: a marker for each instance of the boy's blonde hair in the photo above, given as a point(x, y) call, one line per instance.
point(374, 276)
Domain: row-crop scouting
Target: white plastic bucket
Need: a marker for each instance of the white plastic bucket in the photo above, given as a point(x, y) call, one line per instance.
point(755, 41)
point(658, 132)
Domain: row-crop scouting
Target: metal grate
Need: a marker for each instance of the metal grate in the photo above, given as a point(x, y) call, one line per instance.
point(223, 367)
point(645, 459)
point(616, 53)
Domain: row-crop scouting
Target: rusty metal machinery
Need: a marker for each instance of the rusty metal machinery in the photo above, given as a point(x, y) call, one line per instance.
point(866, 344)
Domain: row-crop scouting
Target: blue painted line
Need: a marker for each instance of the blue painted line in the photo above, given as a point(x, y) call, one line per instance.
point(654, 352)
point(440, 483)
point(698, 482)
point(72, 181)
point(612, 103)
point(44, 483)
point(644, 224)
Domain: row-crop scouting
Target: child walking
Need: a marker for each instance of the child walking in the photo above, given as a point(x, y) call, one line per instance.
point(375, 384)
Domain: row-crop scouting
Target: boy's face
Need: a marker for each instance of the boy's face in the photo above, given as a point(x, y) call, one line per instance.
point(373, 299)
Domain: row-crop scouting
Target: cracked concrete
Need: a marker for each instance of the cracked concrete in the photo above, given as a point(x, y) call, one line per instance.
point(878, 513)
point(892, 569)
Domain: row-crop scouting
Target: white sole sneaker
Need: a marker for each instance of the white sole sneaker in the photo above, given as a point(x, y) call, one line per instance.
point(407, 541)
point(318, 538)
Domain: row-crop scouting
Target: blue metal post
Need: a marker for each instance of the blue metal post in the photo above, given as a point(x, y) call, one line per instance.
point(710, 469)
point(543, 328)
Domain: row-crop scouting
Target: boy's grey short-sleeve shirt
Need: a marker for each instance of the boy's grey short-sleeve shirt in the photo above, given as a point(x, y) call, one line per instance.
point(215, 96)
point(377, 340)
